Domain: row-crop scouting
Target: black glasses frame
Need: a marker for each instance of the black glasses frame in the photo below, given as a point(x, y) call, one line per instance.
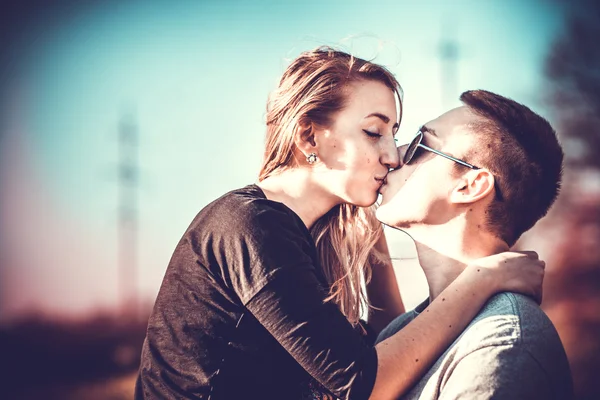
point(416, 143)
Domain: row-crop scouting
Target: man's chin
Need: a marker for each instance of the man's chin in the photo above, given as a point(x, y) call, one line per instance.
point(385, 214)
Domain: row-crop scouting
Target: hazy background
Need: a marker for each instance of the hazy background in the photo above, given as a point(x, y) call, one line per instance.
point(120, 120)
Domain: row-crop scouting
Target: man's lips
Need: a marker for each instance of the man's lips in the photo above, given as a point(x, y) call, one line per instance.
point(382, 187)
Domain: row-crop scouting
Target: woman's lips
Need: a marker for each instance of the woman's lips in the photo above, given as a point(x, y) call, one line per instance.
point(382, 184)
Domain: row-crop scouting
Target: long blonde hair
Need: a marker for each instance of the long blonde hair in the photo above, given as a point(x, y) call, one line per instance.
point(310, 91)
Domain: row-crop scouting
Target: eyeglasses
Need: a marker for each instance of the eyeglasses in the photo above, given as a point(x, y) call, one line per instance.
point(414, 145)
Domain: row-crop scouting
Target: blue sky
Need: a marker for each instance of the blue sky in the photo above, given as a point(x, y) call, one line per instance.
point(197, 75)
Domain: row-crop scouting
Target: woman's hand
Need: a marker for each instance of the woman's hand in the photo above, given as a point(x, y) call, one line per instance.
point(512, 271)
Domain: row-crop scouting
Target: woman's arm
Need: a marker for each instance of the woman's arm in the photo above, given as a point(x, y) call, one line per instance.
point(406, 355)
point(277, 282)
point(382, 289)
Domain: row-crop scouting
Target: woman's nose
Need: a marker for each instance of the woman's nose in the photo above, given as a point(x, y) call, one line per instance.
point(401, 151)
point(390, 157)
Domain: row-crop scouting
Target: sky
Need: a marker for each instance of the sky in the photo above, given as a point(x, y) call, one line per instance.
point(195, 76)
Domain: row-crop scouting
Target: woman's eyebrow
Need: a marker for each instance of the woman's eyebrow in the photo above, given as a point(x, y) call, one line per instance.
point(382, 117)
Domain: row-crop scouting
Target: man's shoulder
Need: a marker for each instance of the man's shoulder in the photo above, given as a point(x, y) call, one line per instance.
point(535, 333)
point(509, 350)
point(510, 319)
point(521, 310)
point(508, 303)
point(513, 327)
point(511, 347)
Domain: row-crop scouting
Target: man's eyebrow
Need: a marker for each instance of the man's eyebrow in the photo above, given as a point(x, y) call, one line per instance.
point(425, 129)
point(383, 117)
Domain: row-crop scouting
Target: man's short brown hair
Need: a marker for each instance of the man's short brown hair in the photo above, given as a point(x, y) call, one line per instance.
point(522, 151)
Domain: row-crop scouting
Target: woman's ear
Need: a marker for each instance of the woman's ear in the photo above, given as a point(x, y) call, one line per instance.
point(473, 186)
point(304, 138)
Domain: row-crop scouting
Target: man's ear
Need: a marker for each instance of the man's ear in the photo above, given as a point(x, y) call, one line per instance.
point(304, 138)
point(473, 186)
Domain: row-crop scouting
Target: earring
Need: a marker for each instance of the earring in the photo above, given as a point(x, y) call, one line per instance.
point(311, 158)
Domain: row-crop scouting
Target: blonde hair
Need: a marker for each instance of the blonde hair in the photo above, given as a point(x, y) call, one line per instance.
point(310, 92)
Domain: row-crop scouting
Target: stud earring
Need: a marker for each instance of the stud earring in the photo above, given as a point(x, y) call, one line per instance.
point(311, 158)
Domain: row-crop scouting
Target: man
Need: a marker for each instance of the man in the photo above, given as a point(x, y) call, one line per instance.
point(471, 182)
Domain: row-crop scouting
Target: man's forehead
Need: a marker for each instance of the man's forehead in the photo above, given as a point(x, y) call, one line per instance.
point(453, 121)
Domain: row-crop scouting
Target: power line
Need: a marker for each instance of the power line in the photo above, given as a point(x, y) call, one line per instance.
point(128, 212)
point(449, 55)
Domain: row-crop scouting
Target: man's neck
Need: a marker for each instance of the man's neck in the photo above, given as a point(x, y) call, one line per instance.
point(294, 188)
point(444, 251)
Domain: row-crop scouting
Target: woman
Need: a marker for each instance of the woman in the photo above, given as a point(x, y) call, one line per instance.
point(262, 297)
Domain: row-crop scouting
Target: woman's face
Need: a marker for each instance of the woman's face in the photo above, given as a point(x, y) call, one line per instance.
point(358, 149)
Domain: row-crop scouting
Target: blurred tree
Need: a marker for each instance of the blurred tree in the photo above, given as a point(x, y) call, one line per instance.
point(572, 290)
point(573, 67)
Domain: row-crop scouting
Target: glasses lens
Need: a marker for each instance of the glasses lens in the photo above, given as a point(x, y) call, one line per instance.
point(412, 148)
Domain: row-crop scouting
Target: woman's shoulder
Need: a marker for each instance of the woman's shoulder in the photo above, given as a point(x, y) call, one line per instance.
point(245, 209)
point(246, 204)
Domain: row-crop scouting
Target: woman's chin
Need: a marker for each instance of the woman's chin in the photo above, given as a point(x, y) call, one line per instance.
point(367, 201)
point(364, 199)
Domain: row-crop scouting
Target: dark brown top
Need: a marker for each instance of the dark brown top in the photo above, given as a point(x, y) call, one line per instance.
point(241, 313)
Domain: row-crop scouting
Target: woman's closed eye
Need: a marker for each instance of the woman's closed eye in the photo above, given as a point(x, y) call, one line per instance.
point(372, 134)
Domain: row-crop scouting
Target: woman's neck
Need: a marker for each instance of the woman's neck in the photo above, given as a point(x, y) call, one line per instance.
point(294, 188)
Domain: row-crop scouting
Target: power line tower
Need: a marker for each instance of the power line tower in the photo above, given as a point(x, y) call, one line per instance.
point(449, 55)
point(128, 213)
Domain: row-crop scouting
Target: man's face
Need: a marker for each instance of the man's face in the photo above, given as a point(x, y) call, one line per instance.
point(419, 193)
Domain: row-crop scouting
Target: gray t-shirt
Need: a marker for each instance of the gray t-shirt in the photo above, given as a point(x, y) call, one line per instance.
point(510, 350)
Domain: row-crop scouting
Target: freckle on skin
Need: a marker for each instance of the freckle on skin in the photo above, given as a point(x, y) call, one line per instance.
point(470, 209)
point(478, 269)
point(417, 360)
point(443, 299)
point(449, 326)
point(479, 226)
